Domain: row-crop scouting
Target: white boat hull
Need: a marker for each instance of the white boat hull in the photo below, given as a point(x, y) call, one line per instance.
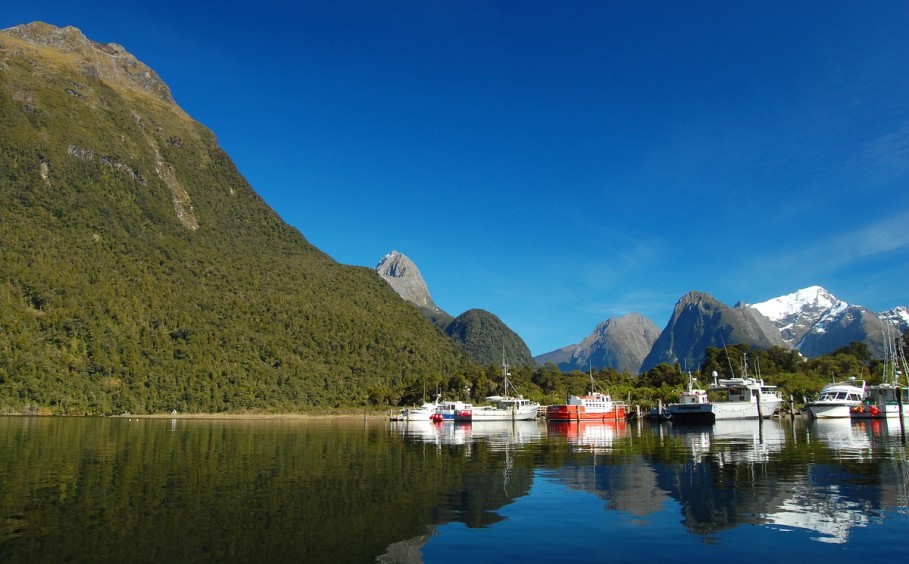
point(746, 410)
point(479, 414)
point(831, 410)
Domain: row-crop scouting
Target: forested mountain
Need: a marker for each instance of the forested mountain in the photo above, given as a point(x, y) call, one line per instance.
point(486, 339)
point(140, 272)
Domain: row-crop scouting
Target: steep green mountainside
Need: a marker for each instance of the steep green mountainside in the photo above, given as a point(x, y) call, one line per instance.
point(484, 338)
point(140, 272)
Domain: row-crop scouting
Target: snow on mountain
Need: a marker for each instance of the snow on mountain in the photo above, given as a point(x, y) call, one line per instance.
point(898, 316)
point(815, 322)
point(798, 313)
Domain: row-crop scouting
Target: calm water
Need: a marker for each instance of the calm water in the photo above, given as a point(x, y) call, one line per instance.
point(97, 489)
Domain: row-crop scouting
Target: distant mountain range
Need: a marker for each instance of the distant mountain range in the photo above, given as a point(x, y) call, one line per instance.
point(811, 320)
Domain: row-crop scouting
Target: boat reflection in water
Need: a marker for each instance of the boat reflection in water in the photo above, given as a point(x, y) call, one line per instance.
point(733, 440)
point(495, 433)
point(589, 435)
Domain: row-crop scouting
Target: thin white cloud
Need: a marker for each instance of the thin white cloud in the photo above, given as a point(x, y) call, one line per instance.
point(886, 235)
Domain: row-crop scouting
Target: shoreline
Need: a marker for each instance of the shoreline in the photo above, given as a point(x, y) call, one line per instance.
point(215, 416)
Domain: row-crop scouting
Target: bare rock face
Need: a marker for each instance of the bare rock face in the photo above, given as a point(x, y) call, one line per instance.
point(620, 343)
point(404, 276)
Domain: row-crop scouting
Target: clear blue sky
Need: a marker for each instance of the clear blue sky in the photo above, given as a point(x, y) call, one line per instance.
point(558, 163)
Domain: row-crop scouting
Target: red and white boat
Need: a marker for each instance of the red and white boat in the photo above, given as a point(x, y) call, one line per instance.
point(595, 406)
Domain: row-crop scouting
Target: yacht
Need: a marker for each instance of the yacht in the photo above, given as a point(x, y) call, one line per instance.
point(837, 399)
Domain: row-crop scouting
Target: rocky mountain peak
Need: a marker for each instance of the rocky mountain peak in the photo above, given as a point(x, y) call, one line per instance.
point(404, 276)
point(109, 62)
point(699, 321)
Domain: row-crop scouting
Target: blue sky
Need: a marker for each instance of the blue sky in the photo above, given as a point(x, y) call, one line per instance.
point(558, 163)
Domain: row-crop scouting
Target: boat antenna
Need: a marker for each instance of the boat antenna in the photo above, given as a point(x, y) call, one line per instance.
point(728, 360)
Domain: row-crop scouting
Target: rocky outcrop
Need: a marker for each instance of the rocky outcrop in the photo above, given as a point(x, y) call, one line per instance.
point(404, 276)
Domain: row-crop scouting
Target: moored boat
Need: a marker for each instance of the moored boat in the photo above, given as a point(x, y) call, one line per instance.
point(693, 407)
point(447, 410)
point(837, 399)
point(595, 406)
point(421, 413)
point(743, 398)
point(888, 399)
point(502, 408)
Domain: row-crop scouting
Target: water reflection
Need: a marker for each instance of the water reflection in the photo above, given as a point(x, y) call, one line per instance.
point(182, 490)
point(590, 436)
point(496, 434)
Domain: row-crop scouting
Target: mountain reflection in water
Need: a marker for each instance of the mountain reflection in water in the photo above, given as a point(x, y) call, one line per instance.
point(184, 490)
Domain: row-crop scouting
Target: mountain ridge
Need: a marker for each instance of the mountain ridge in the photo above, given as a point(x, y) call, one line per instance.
point(620, 343)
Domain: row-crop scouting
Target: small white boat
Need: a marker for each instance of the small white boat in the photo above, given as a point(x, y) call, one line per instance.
point(837, 399)
point(503, 408)
point(422, 413)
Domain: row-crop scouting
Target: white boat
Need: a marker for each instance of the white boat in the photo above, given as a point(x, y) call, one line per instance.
point(837, 399)
point(881, 402)
point(502, 408)
point(743, 398)
point(422, 413)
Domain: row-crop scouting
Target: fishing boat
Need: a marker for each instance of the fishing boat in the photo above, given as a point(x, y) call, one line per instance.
point(693, 407)
point(837, 399)
point(503, 407)
point(595, 406)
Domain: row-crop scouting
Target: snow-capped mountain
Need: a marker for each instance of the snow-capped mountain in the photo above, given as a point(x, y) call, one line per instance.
point(797, 313)
point(816, 322)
